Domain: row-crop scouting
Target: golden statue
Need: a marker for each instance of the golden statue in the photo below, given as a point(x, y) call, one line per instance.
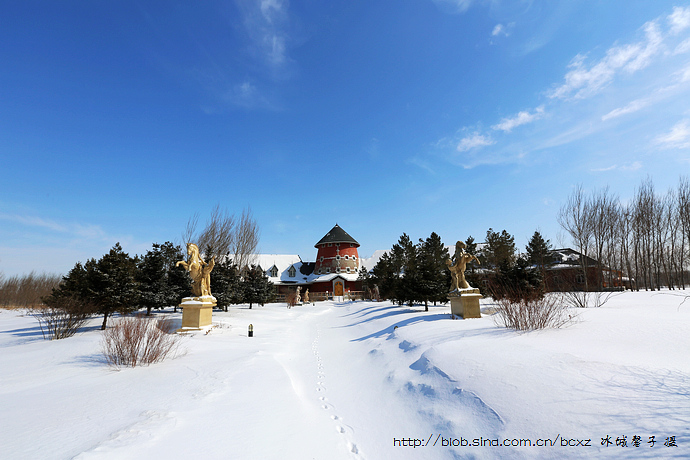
point(457, 266)
point(199, 270)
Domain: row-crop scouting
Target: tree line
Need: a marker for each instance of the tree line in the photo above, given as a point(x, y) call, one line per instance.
point(118, 282)
point(647, 239)
point(417, 273)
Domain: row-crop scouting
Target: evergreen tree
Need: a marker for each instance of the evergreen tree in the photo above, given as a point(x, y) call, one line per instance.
point(434, 277)
point(409, 285)
point(517, 282)
point(226, 284)
point(365, 278)
point(73, 285)
point(178, 281)
point(538, 250)
point(111, 283)
point(386, 274)
point(500, 249)
point(160, 281)
point(256, 288)
point(471, 248)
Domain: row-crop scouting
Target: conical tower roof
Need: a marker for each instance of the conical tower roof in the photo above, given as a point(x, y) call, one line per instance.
point(337, 235)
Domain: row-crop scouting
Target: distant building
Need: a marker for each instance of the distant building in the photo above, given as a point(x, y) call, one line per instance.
point(335, 270)
point(563, 272)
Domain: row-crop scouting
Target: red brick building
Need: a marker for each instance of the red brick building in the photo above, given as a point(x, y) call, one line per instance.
point(335, 270)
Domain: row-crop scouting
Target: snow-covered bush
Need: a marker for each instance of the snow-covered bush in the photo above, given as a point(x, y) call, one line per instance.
point(532, 313)
point(138, 340)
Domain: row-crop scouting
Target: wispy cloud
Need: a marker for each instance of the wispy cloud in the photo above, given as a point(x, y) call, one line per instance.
point(266, 23)
point(522, 118)
point(474, 141)
point(574, 115)
point(634, 166)
point(586, 80)
point(75, 229)
point(632, 107)
point(248, 96)
point(679, 20)
point(677, 138)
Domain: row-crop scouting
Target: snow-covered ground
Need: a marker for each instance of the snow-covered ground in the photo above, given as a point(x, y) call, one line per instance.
point(359, 381)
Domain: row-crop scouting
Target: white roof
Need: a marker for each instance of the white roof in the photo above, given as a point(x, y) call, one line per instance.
point(283, 262)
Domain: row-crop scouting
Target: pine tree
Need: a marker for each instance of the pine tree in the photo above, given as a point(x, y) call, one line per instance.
point(178, 281)
point(500, 249)
point(161, 283)
point(111, 283)
point(517, 282)
point(471, 248)
point(226, 284)
point(435, 276)
point(256, 287)
point(538, 250)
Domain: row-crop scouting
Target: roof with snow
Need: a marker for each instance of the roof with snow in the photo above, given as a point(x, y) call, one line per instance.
point(336, 235)
point(286, 269)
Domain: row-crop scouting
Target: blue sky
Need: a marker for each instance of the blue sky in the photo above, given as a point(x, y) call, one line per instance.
point(120, 120)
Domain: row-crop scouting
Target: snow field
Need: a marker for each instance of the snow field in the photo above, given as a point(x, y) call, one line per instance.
point(348, 380)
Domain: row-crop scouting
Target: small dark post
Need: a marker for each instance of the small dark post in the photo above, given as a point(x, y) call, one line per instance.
point(251, 331)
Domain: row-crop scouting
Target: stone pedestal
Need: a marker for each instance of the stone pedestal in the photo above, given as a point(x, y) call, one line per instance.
point(196, 312)
point(465, 303)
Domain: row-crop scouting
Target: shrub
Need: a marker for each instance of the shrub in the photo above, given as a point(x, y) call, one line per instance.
point(26, 290)
point(138, 340)
point(291, 299)
point(532, 314)
point(584, 299)
point(62, 317)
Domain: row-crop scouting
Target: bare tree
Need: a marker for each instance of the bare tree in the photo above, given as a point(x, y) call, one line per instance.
point(683, 197)
point(575, 218)
point(224, 235)
point(245, 241)
point(216, 238)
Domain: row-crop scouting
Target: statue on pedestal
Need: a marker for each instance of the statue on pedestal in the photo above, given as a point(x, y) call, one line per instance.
point(199, 270)
point(197, 310)
point(457, 266)
point(464, 299)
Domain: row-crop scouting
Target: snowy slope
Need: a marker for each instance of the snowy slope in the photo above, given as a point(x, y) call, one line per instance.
point(340, 381)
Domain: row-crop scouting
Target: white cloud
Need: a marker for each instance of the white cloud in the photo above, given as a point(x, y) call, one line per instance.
point(499, 29)
point(683, 47)
point(632, 107)
point(583, 81)
point(247, 95)
point(266, 23)
point(679, 20)
point(87, 231)
point(629, 167)
point(474, 140)
point(522, 118)
point(677, 138)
